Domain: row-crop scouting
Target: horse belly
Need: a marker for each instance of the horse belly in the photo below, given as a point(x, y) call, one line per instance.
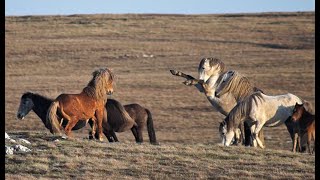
point(277, 120)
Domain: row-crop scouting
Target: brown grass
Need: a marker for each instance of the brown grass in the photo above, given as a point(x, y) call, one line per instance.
point(83, 159)
point(51, 55)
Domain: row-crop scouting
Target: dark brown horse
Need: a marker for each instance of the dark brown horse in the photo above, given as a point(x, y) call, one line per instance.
point(117, 114)
point(141, 116)
point(89, 104)
point(304, 122)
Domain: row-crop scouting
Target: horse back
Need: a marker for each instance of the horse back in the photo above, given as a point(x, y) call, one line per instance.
point(137, 112)
point(78, 105)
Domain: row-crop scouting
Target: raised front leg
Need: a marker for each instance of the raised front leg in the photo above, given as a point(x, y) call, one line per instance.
point(181, 74)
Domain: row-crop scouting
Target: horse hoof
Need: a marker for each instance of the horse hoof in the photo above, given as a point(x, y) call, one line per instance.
point(101, 139)
point(174, 72)
point(188, 83)
point(155, 143)
point(90, 137)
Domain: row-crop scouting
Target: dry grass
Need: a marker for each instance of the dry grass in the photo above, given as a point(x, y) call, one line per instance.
point(83, 159)
point(51, 55)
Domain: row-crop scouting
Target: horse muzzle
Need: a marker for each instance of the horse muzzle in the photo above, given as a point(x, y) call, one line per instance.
point(20, 116)
point(109, 92)
point(216, 95)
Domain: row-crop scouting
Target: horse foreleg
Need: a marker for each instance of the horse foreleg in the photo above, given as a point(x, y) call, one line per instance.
point(253, 141)
point(294, 142)
point(181, 74)
point(100, 115)
point(256, 132)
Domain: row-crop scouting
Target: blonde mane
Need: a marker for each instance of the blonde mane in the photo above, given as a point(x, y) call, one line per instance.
point(97, 87)
point(308, 106)
point(239, 86)
point(213, 62)
point(242, 109)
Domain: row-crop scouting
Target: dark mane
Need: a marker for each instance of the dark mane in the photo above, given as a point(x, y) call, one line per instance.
point(242, 109)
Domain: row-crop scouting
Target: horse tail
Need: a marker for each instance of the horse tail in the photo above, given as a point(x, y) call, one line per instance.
point(151, 132)
point(52, 122)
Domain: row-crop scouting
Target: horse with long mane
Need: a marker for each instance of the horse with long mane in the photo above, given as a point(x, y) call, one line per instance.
point(211, 72)
point(89, 104)
point(119, 117)
point(258, 110)
point(304, 122)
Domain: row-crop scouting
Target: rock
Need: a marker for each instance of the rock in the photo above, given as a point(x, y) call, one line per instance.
point(9, 150)
point(12, 140)
point(23, 141)
point(21, 148)
point(7, 136)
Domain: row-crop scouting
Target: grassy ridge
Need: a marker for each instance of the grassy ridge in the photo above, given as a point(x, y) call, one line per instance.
point(84, 159)
point(51, 55)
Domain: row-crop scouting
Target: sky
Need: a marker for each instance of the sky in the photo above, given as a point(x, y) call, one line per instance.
point(68, 7)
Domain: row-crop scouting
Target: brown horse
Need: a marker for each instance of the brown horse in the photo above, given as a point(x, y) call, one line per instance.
point(304, 122)
point(89, 104)
point(117, 116)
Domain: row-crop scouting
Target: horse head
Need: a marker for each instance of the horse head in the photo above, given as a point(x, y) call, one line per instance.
point(297, 112)
point(26, 105)
point(210, 67)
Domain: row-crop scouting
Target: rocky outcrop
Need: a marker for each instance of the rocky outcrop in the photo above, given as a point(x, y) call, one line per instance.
point(18, 147)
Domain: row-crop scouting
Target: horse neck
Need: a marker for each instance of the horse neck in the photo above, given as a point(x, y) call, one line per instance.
point(41, 105)
point(306, 119)
point(213, 80)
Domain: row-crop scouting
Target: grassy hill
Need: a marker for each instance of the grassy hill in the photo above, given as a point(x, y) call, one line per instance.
point(86, 159)
point(51, 55)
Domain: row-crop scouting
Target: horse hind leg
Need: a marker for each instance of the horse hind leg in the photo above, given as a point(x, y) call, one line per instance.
point(114, 136)
point(140, 137)
point(71, 123)
point(134, 130)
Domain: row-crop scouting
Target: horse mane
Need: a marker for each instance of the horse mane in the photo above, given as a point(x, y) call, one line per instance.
point(212, 62)
point(239, 86)
point(96, 88)
point(37, 97)
point(242, 109)
point(308, 106)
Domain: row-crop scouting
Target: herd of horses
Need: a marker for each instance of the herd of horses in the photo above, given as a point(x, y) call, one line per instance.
point(247, 109)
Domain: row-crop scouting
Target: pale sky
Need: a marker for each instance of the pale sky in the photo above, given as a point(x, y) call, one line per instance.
point(67, 7)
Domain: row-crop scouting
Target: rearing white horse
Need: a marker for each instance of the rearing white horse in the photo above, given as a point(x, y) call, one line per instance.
point(211, 71)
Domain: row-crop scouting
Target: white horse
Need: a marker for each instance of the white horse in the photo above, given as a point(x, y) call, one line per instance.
point(258, 110)
point(211, 71)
